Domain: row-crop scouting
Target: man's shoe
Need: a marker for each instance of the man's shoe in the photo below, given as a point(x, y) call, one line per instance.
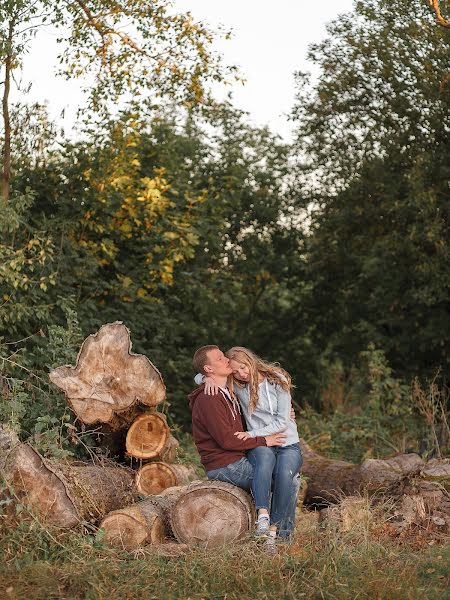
point(262, 526)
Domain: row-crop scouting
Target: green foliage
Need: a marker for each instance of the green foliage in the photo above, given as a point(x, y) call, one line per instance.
point(367, 412)
point(375, 155)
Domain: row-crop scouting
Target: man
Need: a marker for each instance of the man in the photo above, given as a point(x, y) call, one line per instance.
point(215, 420)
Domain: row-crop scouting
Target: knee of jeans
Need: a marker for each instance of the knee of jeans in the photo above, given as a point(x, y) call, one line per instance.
point(264, 459)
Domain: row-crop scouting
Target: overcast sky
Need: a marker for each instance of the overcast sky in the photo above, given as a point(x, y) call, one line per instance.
point(269, 43)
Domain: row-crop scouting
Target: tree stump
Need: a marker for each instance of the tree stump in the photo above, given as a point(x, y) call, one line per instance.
point(149, 438)
point(212, 514)
point(109, 383)
point(66, 494)
point(153, 478)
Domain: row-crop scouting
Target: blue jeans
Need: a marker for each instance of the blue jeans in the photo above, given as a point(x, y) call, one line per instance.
point(274, 469)
point(240, 473)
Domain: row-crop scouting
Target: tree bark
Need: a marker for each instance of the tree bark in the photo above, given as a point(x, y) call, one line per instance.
point(153, 478)
point(6, 158)
point(329, 479)
point(66, 494)
point(109, 383)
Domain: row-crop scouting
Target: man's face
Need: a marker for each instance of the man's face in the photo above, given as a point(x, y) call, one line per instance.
point(218, 363)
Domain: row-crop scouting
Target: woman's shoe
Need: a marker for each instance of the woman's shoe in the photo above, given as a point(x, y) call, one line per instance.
point(262, 526)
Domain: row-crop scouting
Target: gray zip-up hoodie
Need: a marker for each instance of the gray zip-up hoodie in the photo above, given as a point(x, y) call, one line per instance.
point(272, 412)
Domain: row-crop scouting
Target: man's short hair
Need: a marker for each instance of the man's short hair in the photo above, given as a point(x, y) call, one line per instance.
point(201, 359)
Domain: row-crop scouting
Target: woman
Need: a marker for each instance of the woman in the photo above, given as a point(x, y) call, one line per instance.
point(263, 390)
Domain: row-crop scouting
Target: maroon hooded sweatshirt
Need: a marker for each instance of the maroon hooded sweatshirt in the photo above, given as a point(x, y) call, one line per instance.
point(215, 419)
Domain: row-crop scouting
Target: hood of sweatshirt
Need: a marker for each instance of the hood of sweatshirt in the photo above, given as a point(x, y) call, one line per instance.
point(192, 397)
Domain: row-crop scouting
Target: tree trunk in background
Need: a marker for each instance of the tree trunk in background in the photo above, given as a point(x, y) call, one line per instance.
point(153, 478)
point(6, 154)
point(149, 438)
point(110, 384)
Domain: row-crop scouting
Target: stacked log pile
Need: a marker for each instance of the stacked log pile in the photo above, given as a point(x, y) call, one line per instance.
point(118, 392)
point(419, 491)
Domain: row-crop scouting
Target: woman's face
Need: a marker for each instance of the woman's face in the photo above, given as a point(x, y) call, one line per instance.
point(240, 371)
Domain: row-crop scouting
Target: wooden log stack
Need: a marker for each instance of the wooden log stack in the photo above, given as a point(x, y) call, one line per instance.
point(118, 392)
point(208, 514)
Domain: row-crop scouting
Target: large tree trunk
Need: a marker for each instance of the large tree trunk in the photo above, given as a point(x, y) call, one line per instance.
point(149, 438)
point(109, 383)
point(212, 514)
point(66, 494)
point(153, 478)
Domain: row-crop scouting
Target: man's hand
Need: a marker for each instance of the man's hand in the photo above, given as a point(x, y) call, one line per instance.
point(276, 439)
point(243, 435)
point(292, 415)
point(211, 387)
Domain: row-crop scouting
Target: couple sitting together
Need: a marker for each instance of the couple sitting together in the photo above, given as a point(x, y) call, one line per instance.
point(242, 427)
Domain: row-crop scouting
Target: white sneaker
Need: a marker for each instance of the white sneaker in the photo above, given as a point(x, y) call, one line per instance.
point(262, 526)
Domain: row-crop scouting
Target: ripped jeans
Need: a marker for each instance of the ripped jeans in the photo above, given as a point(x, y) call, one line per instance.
point(273, 471)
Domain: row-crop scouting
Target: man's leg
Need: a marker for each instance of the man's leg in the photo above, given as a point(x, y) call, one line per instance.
point(239, 473)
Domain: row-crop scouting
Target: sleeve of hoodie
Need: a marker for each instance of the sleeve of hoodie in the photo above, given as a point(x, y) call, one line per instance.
point(216, 418)
point(199, 378)
point(280, 419)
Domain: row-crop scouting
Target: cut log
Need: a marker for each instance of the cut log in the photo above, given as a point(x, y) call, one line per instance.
point(209, 514)
point(329, 479)
point(212, 514)
point(109, 383)
point(66, 494)
point(134, 526)
point(153, 478)
point(149, 438)
point(144, 523)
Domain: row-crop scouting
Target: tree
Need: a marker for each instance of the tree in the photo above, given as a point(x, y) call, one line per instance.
point(373, 149)
point(131, 48)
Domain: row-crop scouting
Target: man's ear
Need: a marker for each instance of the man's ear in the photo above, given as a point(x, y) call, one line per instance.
point(207, 369)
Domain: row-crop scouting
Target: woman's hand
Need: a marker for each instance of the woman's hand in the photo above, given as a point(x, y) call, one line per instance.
point(243, 435)
point(211, 387)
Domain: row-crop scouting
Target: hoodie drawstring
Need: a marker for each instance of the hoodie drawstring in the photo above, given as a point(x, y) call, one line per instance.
point(268, 398)
point(234, 407)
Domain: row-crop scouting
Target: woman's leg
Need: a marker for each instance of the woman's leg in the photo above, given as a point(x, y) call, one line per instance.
point(263, 461)
point(288, 463)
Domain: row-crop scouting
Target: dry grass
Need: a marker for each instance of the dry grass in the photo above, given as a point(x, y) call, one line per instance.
point(369, 561)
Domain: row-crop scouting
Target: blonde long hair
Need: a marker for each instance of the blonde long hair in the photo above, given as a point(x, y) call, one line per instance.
point(257, 366)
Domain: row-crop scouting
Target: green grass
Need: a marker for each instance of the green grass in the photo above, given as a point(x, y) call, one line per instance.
point(47, 564)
